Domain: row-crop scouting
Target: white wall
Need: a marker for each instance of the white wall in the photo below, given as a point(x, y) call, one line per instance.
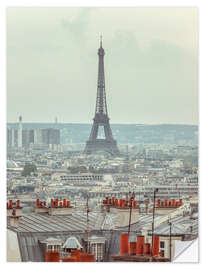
point(13, 251)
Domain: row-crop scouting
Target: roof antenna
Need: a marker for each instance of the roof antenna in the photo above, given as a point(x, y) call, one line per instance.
point(87, 220)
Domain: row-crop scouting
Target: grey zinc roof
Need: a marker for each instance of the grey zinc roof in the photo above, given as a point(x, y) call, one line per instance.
point(48, 223)
point(109, 221)
point(180, 225)
point(31, 248)
point(143, 221)
point(36, 228)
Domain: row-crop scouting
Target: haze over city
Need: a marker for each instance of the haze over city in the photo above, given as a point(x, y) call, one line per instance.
point(102, 135)
point(150, 64)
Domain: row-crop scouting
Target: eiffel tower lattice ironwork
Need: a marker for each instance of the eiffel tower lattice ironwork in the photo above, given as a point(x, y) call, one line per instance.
point(101, 118)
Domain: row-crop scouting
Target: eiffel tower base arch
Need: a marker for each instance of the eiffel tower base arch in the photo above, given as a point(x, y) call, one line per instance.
point(101, 145)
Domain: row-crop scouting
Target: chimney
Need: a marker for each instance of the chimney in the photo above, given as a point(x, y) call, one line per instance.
point(64, 202)
point(52, 256)
point(60, 208)
point(18, 204)
point(140, 245)
point(14, 219)
point(57, 202)
point(40, 207)
point(14, 205)
point(132, 248)
point(10, 204)
point(38, 202)
point(147, 249)
point(156, 246)
point(122, 209)
point(166, 203)
point(124, 239)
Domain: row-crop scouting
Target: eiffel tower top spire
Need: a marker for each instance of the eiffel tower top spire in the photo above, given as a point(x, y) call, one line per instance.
point(101, 107)
point(101, 41)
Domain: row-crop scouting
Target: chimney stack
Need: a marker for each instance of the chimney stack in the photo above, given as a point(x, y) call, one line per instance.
point(14, 219)
point(13, 206)
point(60, 208)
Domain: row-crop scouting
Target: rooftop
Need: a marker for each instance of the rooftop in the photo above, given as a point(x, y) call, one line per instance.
point(48, 223)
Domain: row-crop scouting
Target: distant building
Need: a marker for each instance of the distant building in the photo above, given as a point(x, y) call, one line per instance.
point(37, 136)
point(9, 137)
point(50, 136)
point(176, 163)
point(15, 138)
point(81, 177)
point(20, 128)
point(24, 137)
point(12, 137)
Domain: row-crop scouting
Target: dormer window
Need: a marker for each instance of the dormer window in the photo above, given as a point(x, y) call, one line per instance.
point(70, 244)
point(52, 244)
point(53, 247)
point(97, 247)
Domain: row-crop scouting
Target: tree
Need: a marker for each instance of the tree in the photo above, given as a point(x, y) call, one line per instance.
point(28, 169)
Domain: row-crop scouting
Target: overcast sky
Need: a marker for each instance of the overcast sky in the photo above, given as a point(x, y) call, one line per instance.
point(151, 64)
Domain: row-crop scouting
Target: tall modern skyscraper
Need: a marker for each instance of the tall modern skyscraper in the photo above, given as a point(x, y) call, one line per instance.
point(9, 137)
point(101, 119)
point(46, 136)
point(12, 137)
point(20, 131)
point(50, 136)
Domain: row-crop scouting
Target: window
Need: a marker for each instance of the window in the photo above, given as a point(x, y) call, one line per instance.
point(98, 250)
point(93, 248)
point(56, 247)
point(49, 247)
point(162, 253)
point(162, 244)
point(53, 247)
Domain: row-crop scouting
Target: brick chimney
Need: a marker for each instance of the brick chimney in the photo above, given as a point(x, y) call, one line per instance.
point(40, 207)
point(14, 205)
point(122, 209)
point(60, 208)
point(14, 219)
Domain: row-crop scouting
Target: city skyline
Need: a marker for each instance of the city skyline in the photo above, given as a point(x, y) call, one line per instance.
point(49, 77)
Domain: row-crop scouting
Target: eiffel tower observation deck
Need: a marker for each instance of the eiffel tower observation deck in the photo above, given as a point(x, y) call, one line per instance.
point(101, 119)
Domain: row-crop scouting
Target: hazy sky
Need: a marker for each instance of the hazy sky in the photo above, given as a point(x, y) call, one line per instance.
point(151, 64)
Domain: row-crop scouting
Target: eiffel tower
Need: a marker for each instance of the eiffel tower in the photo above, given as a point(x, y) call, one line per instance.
point(101, 118)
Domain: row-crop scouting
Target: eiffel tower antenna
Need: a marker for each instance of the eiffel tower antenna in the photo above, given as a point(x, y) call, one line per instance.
point(101, 116)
